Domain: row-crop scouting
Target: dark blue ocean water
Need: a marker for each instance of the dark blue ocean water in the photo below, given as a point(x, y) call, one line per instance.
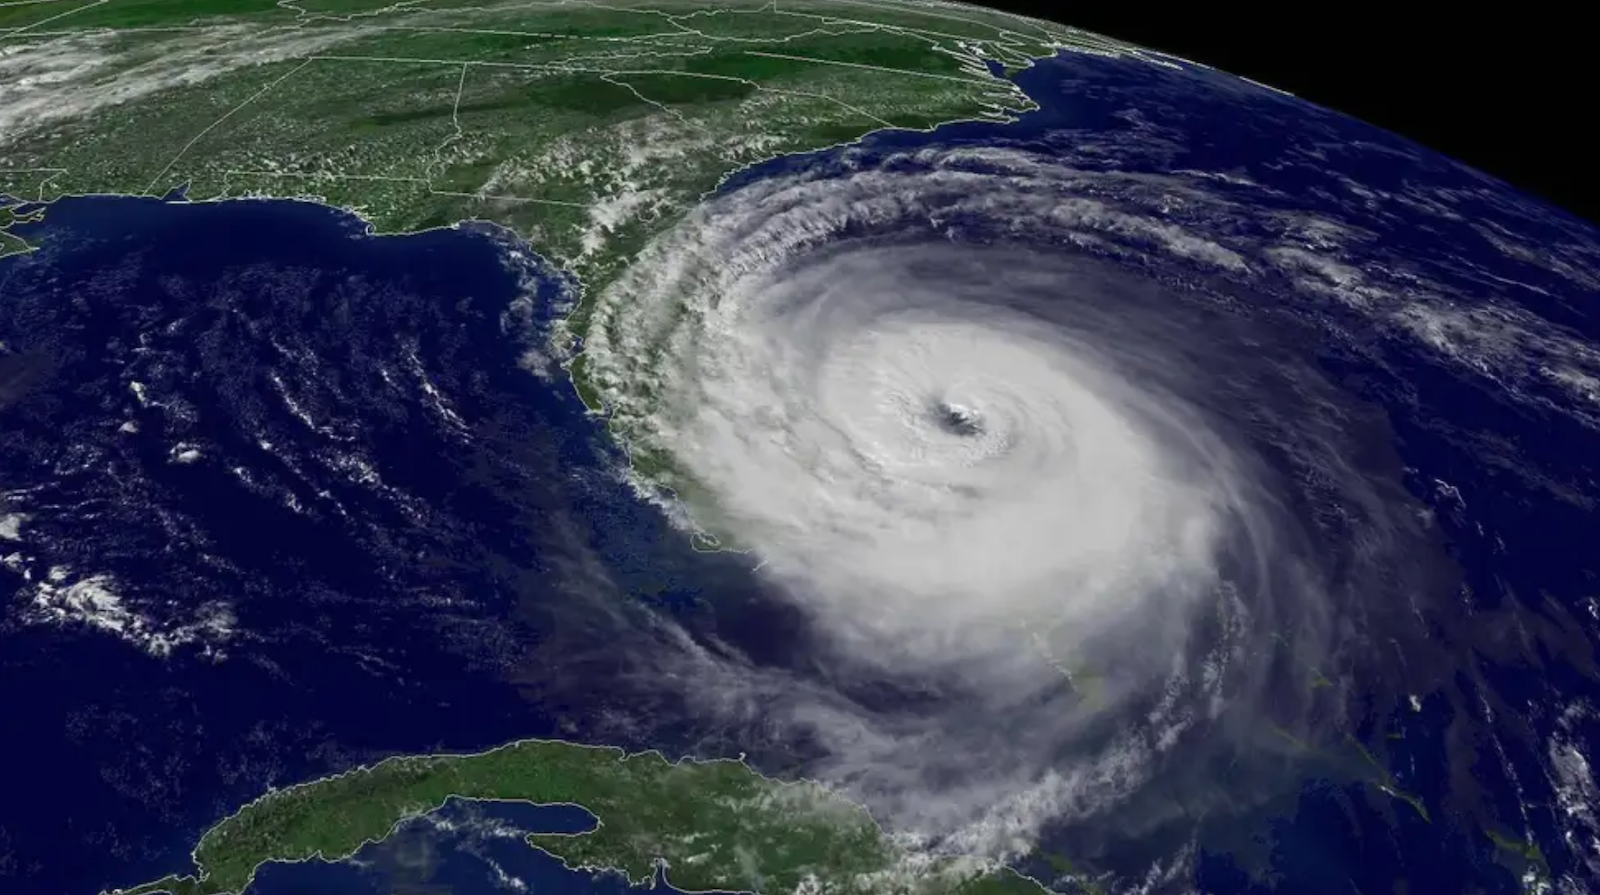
point(364, 626)
point(417, 544)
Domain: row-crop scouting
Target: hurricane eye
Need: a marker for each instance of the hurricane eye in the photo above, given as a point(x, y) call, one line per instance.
point(957, 420)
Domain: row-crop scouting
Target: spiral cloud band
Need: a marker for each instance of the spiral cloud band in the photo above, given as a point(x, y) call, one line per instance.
point(960, 411)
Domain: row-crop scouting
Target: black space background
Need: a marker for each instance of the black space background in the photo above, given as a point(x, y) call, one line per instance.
point(1508, 89)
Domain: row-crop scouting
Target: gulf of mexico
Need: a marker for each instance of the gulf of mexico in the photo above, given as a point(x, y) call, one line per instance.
point(292, 503)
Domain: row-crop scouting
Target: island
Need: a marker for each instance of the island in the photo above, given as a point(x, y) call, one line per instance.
point(707, 825)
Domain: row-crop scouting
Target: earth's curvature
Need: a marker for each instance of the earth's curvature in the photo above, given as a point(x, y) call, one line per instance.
point(1027, 461)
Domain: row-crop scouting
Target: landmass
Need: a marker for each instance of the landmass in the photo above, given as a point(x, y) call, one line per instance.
point(584, 127)
point(708, 825)
point(1525, 859)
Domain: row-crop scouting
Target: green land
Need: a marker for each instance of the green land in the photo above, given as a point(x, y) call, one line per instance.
point(711, 825)
point(584, 127)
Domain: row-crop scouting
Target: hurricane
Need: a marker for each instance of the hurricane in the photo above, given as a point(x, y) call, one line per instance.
point(1023, 454)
